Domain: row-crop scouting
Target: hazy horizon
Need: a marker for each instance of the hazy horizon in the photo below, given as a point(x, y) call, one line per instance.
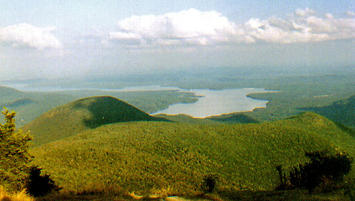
point(96, 39)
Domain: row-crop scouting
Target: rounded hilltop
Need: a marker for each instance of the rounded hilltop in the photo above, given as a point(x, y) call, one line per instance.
point(80, 115)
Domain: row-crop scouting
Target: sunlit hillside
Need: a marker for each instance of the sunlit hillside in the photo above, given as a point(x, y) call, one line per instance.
point(153, 156)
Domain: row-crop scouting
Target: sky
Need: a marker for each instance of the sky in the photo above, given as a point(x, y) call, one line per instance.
point(86, 38)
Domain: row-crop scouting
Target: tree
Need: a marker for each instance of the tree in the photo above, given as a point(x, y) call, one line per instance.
point(324, 170)
point(14, 156)
point(40, 185)
point(209, 183)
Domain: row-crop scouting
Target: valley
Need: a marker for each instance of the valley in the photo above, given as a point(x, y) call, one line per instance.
point(93, 144)
point(295, 94)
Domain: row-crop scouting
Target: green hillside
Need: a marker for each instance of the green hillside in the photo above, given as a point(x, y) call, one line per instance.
point(183, 118)
point(30, 105)
point(175, 157)
point(80, 115)
point(320, 94)
point(224, 118)
point(234, 118)
point(340, 111)
point(8, 94)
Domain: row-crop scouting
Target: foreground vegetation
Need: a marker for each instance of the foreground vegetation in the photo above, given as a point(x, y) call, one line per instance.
point(14, 156)
point(20, 196)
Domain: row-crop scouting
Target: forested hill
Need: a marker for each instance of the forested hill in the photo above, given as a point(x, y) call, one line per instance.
point(80, 115)
point(166, 156)
point(340, 111)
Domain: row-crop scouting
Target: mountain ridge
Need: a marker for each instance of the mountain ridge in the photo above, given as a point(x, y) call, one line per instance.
point(143, 156)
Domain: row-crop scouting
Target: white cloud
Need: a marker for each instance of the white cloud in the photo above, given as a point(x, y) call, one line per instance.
point(186, 27)
point(29, 36)
point(304, 12)
point(194, 27)
point(281, 31)
point(301, 28)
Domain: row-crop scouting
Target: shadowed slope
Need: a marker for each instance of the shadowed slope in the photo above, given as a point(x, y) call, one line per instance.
point(86, 113)
point(183, 118)
point(234, 118)
point(105, 110)
point(340, 111)
point(224, 118)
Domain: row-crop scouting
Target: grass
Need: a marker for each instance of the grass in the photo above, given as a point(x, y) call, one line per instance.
point(294, 195)
point(146, 157)
point(20, 196)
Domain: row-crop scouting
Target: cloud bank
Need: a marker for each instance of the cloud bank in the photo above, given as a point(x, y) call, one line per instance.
point(186, 27)
point(27, 35)
point(195, 27)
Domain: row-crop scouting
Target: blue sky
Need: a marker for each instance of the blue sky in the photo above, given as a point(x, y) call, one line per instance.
point(63, 38)
point(65, 13)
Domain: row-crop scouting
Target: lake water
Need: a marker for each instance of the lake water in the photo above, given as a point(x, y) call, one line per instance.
point(217, 102)
point(210, 102)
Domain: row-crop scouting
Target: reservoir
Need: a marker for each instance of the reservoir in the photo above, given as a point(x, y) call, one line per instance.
point(210, 102)
point(217, 102)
